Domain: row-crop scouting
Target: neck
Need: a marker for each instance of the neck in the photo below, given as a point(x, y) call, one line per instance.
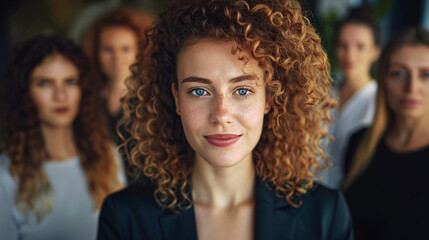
point(409, 133)
point(356, 81)
point(116, 86)
point(59, 142)
point(113, 94)
point(223, 187)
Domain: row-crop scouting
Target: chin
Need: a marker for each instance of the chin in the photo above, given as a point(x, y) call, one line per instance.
point(59, 124)
point(222, 161)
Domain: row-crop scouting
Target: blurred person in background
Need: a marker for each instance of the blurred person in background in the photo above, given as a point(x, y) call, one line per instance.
point(387, 184)
point(226, 116)
point(356, 48)
point(112, 46)
point(58, 163)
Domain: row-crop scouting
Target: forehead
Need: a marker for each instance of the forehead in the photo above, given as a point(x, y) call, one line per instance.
point(411, 55)
point(117, 33)
point(355, 32)
point(54, 65)
point(214, 59)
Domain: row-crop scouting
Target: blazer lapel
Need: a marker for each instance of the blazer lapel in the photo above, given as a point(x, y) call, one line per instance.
point(274, 217)
point(179, 226)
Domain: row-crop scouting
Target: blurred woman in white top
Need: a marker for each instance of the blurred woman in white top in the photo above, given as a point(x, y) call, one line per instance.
point(356, 49)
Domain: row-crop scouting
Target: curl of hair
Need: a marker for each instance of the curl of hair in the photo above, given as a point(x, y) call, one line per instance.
point(137, 21)
point(297, 81)
point(384, 116)
point(22, 137)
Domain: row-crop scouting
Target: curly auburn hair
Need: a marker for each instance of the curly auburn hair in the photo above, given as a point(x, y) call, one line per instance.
point(297, 80)
point(23, 139)
point(137, 21)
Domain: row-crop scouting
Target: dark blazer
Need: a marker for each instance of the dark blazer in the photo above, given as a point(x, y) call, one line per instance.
point(134, 214)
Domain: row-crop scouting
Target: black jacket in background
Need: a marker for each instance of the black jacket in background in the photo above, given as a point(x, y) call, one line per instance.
point(134, 214)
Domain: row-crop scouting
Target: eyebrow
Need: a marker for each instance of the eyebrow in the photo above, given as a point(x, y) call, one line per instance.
point(51, 79)
point(397, 64)
point(208, 81)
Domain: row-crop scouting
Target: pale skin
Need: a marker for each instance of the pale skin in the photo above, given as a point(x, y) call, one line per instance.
point(118, 50)
point(56, 94)
point(215, 97)
point(407, 90)
point(355, 51)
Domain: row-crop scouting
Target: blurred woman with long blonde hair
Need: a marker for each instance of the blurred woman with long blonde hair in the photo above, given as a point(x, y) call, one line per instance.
point(387, 185)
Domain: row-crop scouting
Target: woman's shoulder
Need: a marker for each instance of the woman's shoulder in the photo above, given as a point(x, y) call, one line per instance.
point(5, 176)
point(324, 198)
point(329, 208)
point(134, 193)
point(8, 184)
point(134, 205)
point(4, 161)
point(137, 197)
point(358, 135)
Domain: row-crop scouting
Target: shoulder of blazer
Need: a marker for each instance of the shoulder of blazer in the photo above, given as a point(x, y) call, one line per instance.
point(318, 202)
point(321, 197)
point(136, 198)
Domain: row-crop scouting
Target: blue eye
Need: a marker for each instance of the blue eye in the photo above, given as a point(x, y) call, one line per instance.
point(243, 92)
point(199, 92)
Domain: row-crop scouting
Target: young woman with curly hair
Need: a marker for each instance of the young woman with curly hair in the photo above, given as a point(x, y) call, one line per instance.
point(387, 185)
point(58, 163)
point(226, 116)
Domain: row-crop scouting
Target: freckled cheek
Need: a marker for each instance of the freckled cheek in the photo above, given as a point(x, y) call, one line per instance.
point(193, 118)
point(251, 115)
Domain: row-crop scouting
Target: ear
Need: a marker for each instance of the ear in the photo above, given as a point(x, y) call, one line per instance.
point(176, 97)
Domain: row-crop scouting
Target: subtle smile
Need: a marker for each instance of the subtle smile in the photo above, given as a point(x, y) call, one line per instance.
point(222, 140)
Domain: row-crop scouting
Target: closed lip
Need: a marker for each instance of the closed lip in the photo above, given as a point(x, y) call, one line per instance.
point(222, 140)
point(409, 102)
point(348, 65)
point(61, 109)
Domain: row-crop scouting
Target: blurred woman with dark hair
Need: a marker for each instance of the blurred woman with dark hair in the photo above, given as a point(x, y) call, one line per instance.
point(226, 115)
point(112, 46)
point(387, 185)
point(356, 48)
point(58, 163)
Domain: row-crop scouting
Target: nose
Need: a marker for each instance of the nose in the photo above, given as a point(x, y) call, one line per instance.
point(350, 54)
point(60, 93)
point(221, 112)
point(115, 57)
point(413, 83)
